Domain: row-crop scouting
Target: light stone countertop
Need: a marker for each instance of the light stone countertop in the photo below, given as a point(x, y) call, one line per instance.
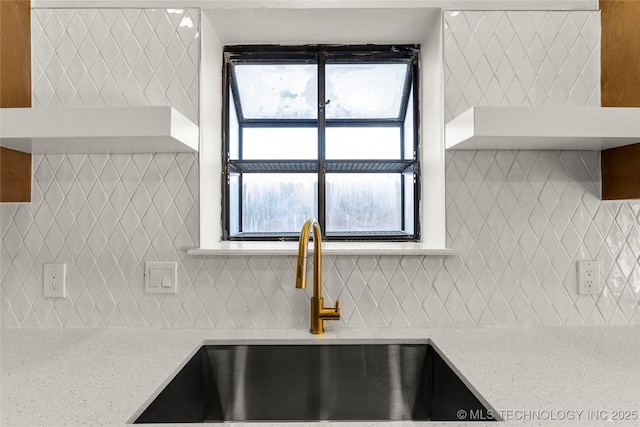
point(529, 375)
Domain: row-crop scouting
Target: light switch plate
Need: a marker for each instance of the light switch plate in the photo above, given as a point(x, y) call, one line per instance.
point(54, 280)
point(161, 277)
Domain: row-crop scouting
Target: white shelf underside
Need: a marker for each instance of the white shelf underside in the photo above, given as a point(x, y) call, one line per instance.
point(97, 130)
point(543, 128)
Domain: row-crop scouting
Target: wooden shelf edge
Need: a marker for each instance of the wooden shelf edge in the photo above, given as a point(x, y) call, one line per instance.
point(15, 176)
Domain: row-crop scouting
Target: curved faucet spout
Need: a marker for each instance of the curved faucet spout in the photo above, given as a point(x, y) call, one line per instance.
point(301, 271)
point(319, 313)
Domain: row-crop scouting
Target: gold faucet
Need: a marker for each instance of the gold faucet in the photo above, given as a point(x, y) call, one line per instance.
point(319, 313)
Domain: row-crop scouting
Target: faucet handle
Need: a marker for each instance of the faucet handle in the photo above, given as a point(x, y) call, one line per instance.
point(337, 309)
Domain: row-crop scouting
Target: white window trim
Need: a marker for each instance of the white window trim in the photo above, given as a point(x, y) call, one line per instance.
point(432, 219)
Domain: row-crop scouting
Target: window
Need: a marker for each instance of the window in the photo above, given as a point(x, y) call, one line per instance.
point(323, 131)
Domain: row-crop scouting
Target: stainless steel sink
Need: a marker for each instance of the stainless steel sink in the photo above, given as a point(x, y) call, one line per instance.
point(370, 382)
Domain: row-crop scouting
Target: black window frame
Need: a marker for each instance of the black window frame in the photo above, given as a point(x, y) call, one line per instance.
point(319, 54)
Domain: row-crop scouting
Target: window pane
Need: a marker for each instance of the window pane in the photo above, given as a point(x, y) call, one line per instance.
point(409, 124)
point(234, 203)
point(363, 202)
point(408, 203)
point(284, 91)
point(234, 129)
point(278, 202)
point(364, 91)
point(379, 143)
point(279, 143)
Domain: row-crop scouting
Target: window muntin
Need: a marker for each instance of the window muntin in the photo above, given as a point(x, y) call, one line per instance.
point(353, 164)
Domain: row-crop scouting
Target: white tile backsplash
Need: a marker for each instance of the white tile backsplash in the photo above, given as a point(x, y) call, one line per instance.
point(519, 219)
point(521, 58)
point(116, 57)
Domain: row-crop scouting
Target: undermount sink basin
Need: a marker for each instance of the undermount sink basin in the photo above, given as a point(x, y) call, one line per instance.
point(346, 382)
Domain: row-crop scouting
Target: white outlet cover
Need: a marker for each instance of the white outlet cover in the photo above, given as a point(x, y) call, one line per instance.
point(54, 280)
point(160, 277)
point(588, 277)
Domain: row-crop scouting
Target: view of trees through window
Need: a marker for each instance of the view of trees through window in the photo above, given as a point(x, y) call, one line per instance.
point(349, 160)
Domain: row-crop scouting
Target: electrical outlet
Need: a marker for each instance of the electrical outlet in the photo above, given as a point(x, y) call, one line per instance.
point(54, 280)
point(588, 277)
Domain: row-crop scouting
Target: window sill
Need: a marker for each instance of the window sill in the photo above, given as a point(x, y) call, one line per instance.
point(328, 248)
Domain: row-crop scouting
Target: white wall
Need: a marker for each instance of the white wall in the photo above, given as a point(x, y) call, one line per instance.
point(514, 58)
point(116, 57)
point(518, 218)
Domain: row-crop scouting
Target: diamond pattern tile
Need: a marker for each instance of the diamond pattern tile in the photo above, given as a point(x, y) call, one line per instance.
point(519, 219)
point(103, 238)
point(116, 57)
point(492, 282)
point(503, 58)
point(539, 266)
